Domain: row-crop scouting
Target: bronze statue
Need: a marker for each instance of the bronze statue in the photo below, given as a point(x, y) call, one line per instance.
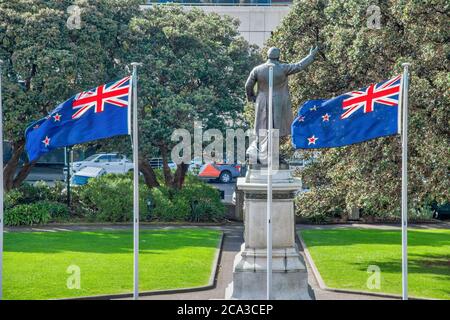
point(281, 105)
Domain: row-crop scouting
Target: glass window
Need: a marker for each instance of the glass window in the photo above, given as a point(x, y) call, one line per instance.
point(115, 158)
point(91, 158)
point(104, 158)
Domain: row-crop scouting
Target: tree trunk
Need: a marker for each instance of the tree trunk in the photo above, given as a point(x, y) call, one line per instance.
point(9, 171)
point(23, 173)
point(149, 174)
point(180, 175)
point(168, 177)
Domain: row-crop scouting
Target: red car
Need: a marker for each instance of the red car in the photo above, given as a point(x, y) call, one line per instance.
point(224, 172)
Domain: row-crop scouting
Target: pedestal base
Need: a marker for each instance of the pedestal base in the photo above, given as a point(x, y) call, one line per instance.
point(289, 273)
point(289, 276)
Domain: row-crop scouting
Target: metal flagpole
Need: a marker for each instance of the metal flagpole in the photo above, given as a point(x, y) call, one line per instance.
point(1, 186)
point(135, 185)
point(269, 187)
point(405, 181)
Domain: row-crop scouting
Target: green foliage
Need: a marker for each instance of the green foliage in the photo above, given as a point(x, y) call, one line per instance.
point(196, 202)
point(368, 175)
point(54, 61)
point(40, 212)
point(109, 198)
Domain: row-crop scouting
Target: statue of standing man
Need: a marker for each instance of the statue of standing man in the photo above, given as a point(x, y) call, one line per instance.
point(281, 103)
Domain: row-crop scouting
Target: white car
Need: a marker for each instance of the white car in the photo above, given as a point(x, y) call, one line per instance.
point(82, 177)
point(111, 162)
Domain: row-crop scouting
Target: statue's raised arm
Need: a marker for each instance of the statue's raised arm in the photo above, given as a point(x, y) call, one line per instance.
point(291, 68)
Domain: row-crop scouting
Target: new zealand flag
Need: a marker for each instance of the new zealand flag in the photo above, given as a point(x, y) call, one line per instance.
point(98, 113)
point(353, 117)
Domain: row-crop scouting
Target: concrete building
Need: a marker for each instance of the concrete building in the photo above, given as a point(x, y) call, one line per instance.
point(258, 18)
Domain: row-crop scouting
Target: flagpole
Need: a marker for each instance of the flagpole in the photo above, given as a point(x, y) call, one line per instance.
point(135, 185)
point(269, 187)
point(405, 181)
point(1, 186)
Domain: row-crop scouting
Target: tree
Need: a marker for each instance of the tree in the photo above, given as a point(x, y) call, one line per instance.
point(46, 61)
point(194, 69)
point(367, 175)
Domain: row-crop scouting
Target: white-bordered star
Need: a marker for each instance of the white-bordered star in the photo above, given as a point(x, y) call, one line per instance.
point(312, 140)
point(46, 141)
point(36, 127)
point(57, 117)
point(326, 117)
point(301, 118)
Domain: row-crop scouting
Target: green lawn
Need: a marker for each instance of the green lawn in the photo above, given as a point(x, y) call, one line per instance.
point(342, 257)
point(35, 263)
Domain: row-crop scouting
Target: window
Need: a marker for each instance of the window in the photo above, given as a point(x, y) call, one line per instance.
point(104, 158)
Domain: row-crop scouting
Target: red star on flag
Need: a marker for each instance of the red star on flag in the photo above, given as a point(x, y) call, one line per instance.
point(326, 117)
point(46, 141)
point(57, 117)
point(301, 119)
point(312, 140)
point(36, 127)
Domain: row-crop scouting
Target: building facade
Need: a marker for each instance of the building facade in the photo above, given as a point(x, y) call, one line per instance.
point(258, 18)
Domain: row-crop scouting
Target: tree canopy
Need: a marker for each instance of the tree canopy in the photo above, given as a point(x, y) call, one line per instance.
point(194, 67)
point(368, 175)
point(46, 62)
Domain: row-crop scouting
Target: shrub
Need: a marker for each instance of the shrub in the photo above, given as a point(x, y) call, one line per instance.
point(109, 198)
point(168, 205)
point(40, 212)
point(203, 199)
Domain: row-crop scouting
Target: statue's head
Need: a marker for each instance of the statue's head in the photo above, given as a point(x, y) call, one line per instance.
point(273, 53)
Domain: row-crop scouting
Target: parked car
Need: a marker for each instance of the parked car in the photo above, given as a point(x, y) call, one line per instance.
point(441, 212)
point(157, 163)
point(111, 162)
point(82, 176)
point(221, 171)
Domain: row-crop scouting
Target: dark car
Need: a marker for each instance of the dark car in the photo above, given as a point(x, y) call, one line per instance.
point(441, 211)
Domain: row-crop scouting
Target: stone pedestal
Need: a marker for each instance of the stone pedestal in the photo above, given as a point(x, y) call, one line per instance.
point(289, 274)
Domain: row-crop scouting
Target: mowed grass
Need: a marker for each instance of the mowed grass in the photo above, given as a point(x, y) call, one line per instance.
point(36, 263)
point(343, 256)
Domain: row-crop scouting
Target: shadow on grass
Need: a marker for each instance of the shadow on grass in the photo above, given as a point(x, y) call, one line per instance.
point(151, 241)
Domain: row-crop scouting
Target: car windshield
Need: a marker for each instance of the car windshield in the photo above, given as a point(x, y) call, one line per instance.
point(80, 180)
point(91, 157)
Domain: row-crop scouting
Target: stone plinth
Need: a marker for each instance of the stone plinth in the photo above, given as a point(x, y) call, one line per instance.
point(289, 274)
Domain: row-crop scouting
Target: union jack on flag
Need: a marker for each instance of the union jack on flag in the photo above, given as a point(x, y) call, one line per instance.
point(94, 114)
point(353, 117)
point(115, 94)
point(383, 93)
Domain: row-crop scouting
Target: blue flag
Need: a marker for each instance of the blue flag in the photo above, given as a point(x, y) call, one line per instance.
point(353, 117)
point(98, 113)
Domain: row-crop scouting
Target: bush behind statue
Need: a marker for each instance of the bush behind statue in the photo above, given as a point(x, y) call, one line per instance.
point(110, 199)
